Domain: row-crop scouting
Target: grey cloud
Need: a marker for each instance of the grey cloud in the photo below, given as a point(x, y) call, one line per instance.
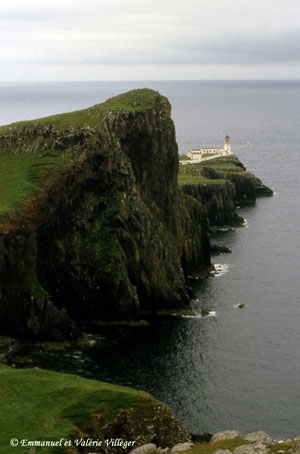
point(129, 33)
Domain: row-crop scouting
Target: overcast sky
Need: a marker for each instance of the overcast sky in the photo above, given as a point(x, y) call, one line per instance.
point(149, 40)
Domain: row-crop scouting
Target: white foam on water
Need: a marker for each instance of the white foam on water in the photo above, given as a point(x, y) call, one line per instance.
point(220, 269)
point(212, 314)
point(192, 316)
point(245, 223)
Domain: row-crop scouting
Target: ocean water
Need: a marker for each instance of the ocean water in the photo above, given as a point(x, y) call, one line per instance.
point(240, 368)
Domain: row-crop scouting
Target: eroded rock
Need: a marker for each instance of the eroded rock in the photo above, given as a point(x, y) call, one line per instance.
point(181, 447)
point(149, 448)
point(259, 437)
point(225, 435)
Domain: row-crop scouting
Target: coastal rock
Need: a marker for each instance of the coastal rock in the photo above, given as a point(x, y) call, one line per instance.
point(181, 447)
point(149, 448)
point(259, 437)
point(226, 184)
point(223, 451)
point(245, 449)
point(107, 236)
point(225, 435)
point(258, 448)
point(156, 425)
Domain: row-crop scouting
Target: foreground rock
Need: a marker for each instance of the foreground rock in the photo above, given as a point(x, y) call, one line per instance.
point(258, 437)
point(228, 442)
point(225, 435)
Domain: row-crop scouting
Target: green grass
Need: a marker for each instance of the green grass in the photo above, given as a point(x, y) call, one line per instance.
point(133, 101)
point(226, 163)
point(208, 155)
point(25, 165)
point(281, 447)
point(184, 157)
point(193, 173)
point(223, 166)
point(42, 405)
point(197, 179)
point(23, 174)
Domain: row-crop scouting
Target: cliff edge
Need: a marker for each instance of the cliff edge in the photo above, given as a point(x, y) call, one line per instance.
point(91, 222)
point(221, 185)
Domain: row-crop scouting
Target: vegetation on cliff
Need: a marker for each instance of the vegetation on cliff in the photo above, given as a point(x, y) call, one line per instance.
point(221, 184)
point(92, 225)
point(41, 405)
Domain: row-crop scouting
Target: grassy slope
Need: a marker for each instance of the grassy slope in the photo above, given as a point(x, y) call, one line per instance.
point(42, 405)
point(23, 174)
point(191, 173)
point(133, 101)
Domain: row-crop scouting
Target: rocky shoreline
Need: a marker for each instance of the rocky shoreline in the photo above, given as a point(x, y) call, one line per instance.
point(228, 442)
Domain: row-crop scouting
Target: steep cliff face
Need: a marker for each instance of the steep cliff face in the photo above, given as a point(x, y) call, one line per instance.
point(221, 184)
point(91, 222)
point(219, 200)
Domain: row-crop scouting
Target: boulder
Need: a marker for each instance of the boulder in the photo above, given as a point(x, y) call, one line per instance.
point(181, 447)
point(259, 436)
point(225, 435)
point(258, 448)
point(149, 448)
point(245, 449)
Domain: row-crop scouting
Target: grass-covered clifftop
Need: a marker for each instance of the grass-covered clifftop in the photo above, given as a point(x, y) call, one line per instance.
point(221, 184)
point(33, 153)
point(39, 405)
point(91, 224)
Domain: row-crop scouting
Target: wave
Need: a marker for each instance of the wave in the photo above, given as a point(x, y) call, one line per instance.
point(220, 269)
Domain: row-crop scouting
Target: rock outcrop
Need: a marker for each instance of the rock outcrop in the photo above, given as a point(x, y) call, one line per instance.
point(102, 233)
point(92, 224)
point(221, 185)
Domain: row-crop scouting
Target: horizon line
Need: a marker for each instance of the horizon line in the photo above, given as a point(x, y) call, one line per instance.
point(148, 80)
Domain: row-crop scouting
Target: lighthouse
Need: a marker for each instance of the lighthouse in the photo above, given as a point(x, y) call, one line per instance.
point(227, 144)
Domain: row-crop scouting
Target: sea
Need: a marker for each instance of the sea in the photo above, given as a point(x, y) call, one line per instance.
point(238, 368)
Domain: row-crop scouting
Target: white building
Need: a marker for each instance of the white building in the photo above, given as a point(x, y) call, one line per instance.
point(206, 152)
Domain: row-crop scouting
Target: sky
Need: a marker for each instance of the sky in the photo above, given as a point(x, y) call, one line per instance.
point(64, 40)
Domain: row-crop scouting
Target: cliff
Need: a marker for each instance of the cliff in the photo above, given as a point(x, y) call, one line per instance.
point(221, 185)
point(91, 222)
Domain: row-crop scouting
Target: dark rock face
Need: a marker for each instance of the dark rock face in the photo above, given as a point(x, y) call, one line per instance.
point(230, 185)
point(156, 425)
point(111, 238)
point(219, 200)
point(109, 235)
point(196, 246)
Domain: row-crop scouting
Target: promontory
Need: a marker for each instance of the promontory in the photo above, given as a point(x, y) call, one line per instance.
point(93, 223)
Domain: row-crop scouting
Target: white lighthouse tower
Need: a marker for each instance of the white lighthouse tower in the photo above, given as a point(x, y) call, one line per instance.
point(227, 144)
